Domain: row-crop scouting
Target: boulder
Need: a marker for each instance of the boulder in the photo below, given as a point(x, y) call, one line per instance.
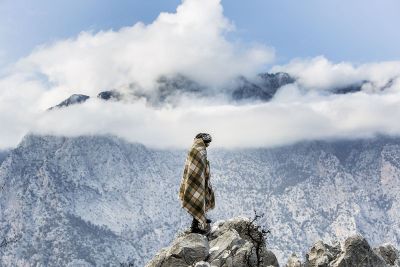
point(321, 255)
point(357, 252)
point(268, 258)
point(184, 251)
point(202, 264)
point(244, 239)
point(241, 225)
point(294, 261)
point(245, 256)
point(158, 259)
point(389, 253)
point(228, 241)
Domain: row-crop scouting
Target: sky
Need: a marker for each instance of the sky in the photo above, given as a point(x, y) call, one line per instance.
point(358, 31)
point(50, 50)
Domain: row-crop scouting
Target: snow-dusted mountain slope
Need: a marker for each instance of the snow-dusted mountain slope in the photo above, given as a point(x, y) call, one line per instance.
point(72, 100)
point(3, 155)
point(167, 89)
point(102, 201)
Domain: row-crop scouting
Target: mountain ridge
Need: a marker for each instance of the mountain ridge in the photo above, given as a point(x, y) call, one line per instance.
point(262, 88)
point(127, 192)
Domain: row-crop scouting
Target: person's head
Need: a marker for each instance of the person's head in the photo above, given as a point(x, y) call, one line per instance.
point(205, 137)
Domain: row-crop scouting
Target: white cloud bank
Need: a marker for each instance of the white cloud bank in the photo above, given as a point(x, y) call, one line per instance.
point(320, 74)
point(268, 124)
point(191, 42)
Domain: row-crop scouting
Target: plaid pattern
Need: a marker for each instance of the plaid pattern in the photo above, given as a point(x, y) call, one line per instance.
point(196, 193)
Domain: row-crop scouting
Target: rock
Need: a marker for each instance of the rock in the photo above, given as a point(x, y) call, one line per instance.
point(240, 224)
point(232, 243)
point(185, 250)
point(248, 238)
point(294, 261)
point(228, 262)
point(202, 264)
point(389, 253)
point(191, 248)
point(268, 258)
point(158, 259)
point(321, 255)
point(245, 256)
point(216, 263)
point(357, 252)
point(239, 242)
point(172, 261)
point(225, 242)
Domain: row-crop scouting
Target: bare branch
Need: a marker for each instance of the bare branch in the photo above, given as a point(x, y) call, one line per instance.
point(258, 235)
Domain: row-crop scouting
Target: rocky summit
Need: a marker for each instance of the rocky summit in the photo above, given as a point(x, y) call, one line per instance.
point(235, 242)
point(354, 251)
point(239, 242)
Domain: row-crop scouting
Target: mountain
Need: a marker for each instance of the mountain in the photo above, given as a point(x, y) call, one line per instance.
point(352, 88)
point(72, 100)
point(110, 95)
point(3, 155)
point(169, 88)
point(88, 199)
point(79, 98)
point(98, 200)
point(262, 88)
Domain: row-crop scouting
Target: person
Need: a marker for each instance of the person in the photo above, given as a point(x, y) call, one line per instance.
point(196, 193)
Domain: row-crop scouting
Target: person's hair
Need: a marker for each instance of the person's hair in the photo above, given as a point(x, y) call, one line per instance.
point(205, 136)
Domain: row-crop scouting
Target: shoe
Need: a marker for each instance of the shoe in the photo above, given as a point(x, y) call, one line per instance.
point(196, 229)
point(208, 221)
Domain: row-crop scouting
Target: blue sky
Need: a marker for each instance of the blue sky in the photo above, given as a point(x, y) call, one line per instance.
point(358, 30)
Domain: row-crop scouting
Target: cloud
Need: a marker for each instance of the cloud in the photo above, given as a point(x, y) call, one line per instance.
point(292, 115)
point(191, 42)
point(279, 122)
point(320, 74)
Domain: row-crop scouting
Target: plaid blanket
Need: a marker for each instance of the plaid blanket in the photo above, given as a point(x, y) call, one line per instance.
point(196, 193)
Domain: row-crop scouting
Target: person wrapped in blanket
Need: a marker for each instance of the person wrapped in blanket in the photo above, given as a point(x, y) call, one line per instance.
point(196, 193)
